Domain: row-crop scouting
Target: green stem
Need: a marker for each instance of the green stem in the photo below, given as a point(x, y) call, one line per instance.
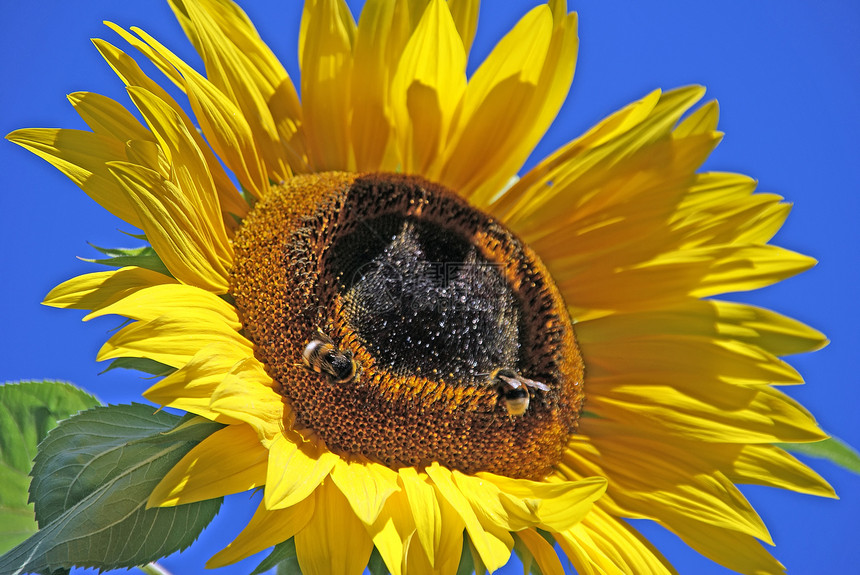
point(154, 569)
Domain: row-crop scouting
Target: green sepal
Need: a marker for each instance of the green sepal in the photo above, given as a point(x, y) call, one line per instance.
point(143, 364)
point(833, 449)
point(290, 567)
point(376, 564)
point(467, 562)
point(28, 411)
point(143, 257)
point(249, 198)
point(141, 237)
point(284, 557)
point(92, 478)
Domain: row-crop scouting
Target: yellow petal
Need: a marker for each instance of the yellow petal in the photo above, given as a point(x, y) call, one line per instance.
point(266, 529)
point(295, 470)
point(377, 48)
point(493, 546)
point(243, 68)
point(748, 267)
point(180, 239)
point(765, 416)
point(235, 26)
point(426, 512)
point(587, 555)
point(83, 157)
point(191, 387)
point(229, 133)
point(674, 275)
point(97, 290)
point(174, 301)
point(610, 128)
point(751, 219)
point(733, 550)
point(131, 74)
point(542, 551)
point(767, 330)
point(173, 342)
point(715, 188)
point(151, 54)
point(189, 171)
point(365, 485)
point(604, 544)
point(685, 360)
point(148, 154)
point(447, 558)
point(334, 542)
point(465, 15)
point(553, 506)
point(412, 11)
point(246, 394)
point(427, 87)
point(224, 126)
point(485, 499)
point(574, 174)
point(530, 71)
point(393, 531)
point(230, 460)
point(679, 484)
point(417, 562)
point(771, 466)
point(604, 202)
point(701, 121)
point(510, 74)
point(108, 117)
point(325, 55)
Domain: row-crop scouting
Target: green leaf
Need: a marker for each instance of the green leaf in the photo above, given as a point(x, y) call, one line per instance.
point(91, 480)
point(283, 556)
point(143, 364)
point(834, 450)
point(144, 257)
point(28, 410)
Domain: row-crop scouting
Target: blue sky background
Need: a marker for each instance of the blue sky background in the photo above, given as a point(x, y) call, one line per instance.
point(786, 74)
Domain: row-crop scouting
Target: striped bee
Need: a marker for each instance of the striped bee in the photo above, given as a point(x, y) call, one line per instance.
point(514, 389)
point(321, 355)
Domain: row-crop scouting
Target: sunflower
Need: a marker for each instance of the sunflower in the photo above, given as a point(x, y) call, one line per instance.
point(413, 350)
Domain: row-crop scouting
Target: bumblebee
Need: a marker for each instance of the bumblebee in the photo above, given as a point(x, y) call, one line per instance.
point(514, 389)
point(321, 355)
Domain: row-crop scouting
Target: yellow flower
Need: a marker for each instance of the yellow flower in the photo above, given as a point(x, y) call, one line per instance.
point(411, 349)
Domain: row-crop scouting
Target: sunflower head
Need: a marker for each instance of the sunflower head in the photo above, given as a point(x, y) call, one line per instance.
point(424, 301)
point(400, 334)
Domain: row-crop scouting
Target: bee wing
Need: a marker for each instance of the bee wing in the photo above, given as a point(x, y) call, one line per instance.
point(513, 382)
point(535, 384)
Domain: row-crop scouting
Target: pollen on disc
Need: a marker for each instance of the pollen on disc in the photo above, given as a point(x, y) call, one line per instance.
point(426, 297)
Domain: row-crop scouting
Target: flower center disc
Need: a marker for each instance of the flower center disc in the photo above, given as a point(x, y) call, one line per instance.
point(463, 350)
